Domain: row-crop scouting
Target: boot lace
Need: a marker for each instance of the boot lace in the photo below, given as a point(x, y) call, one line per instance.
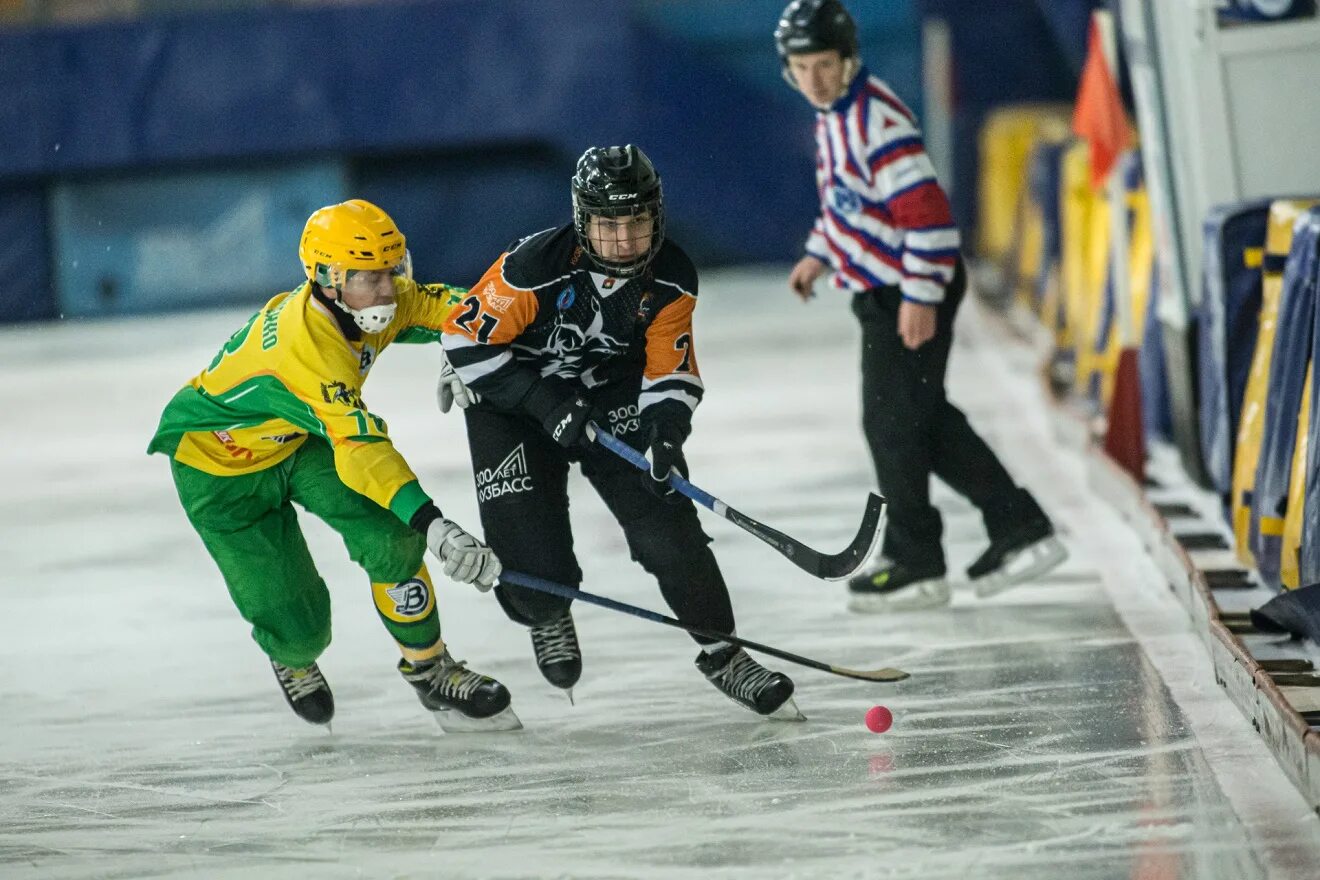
point(555, 642)
point(744, 677)
point(299, 683)
point(449, 677)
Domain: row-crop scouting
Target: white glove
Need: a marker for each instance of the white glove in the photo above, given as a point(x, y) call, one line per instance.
point(465, 559)
point(451, 389)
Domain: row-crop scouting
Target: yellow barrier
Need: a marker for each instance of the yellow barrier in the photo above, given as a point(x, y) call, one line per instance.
point(1278, 240)
point(1141, 260)
point(1084, 262)
point(1006, 140)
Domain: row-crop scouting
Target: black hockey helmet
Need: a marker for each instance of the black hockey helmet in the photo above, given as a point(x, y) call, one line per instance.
point(815, 26)
point(618, 182)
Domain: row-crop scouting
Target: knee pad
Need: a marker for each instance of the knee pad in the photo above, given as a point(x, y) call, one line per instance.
point(407, 608)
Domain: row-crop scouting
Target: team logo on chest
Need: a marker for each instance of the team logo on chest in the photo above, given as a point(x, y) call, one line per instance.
point(845, 200)
point(644, 307)
point(566, 299)
point(366, 360)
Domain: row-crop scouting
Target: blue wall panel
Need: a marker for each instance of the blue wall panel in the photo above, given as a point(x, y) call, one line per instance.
point(1230, 312)
point(25, 293)
point(1292, 353)
point(387, 88)
point(184, 239)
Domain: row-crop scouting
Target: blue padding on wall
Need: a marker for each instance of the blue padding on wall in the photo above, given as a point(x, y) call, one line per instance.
point(356, 78)
point(25, 293)
point(426, 78)
point(459, 212)
point(182, 240)
point(1292, 353)
point(1045, 177)
point(1230, 313)
point(1156, 405)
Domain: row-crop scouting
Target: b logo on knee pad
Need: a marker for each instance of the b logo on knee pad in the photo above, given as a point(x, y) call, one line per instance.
point(404, 602)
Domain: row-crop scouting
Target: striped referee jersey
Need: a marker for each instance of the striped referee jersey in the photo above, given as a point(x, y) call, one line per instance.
point(884, 219)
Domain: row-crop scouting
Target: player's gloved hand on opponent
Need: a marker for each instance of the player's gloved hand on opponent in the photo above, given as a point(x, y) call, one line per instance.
point(465, 559)
point(664, 450)
point(450, 390)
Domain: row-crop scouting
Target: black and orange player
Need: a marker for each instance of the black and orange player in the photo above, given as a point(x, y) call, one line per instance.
point(592, 322)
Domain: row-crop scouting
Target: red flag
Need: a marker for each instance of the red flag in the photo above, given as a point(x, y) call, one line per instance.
point(1098, 116)
point(1125, 437)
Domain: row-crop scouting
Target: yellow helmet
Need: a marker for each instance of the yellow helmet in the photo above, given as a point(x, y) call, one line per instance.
point(351, 235)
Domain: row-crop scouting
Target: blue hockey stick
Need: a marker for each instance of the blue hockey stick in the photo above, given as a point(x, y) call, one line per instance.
point(830, 567)
point(541, 585)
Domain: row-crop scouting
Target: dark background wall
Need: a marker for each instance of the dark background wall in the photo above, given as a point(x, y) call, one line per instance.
point(169, 160)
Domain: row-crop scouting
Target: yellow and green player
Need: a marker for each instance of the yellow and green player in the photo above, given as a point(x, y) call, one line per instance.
point(277, 418)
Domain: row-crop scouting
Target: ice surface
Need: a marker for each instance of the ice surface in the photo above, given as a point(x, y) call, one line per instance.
point(143, 735)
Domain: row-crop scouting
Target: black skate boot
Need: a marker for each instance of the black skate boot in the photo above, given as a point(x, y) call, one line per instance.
point(557, 653)
point(743, 680)
point(898, 587)
point(461, 699)
point(306, 691)
point(1027, 552)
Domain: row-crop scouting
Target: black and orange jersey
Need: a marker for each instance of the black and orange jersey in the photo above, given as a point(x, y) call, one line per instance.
point(543, 311)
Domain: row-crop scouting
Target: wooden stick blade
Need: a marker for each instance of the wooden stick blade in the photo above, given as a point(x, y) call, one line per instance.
point(888, 674)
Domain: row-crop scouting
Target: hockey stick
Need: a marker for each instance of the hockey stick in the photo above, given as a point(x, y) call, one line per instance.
point(830, 567)
point(531, 582)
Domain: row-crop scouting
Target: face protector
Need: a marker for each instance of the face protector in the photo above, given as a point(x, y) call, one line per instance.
point(622, 240)
point(366, 283)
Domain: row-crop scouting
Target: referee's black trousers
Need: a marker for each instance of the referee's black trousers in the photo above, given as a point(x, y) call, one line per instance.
point(914, 431)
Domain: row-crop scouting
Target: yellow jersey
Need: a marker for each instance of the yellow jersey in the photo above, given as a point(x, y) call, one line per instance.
point(291, 372)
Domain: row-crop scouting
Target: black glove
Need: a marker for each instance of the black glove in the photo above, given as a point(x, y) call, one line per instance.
point(664, 448)
point(567, 423)
point(563, 411)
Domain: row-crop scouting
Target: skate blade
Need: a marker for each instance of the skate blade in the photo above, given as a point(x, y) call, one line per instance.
point(454, 721)
point(787, 711)
point(933, 593)
point(1029, 563)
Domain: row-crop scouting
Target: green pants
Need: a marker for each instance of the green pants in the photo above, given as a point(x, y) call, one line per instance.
point(249, 527)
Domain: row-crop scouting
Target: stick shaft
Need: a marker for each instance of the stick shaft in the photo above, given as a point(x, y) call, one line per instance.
point(542, 585)
point(831, 567)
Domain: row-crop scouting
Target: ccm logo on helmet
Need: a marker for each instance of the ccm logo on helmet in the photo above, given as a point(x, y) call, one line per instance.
point(614, 197)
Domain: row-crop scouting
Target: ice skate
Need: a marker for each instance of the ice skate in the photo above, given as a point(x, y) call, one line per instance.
point(1024, 554)
point(895, 587)
point(558, 655)
point(463, 701)
point(307, 692)
point(748, 683)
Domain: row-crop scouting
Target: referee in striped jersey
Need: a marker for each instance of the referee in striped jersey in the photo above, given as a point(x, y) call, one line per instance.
point(886, 234)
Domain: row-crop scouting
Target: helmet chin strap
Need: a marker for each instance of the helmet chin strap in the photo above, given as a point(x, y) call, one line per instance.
point(372, 319)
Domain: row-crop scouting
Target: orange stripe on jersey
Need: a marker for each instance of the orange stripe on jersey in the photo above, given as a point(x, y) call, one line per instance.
point(494, 312)
point(669, 346)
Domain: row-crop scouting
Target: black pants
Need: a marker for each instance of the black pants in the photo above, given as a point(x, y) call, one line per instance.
point(914, 431)
point(522, 490)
